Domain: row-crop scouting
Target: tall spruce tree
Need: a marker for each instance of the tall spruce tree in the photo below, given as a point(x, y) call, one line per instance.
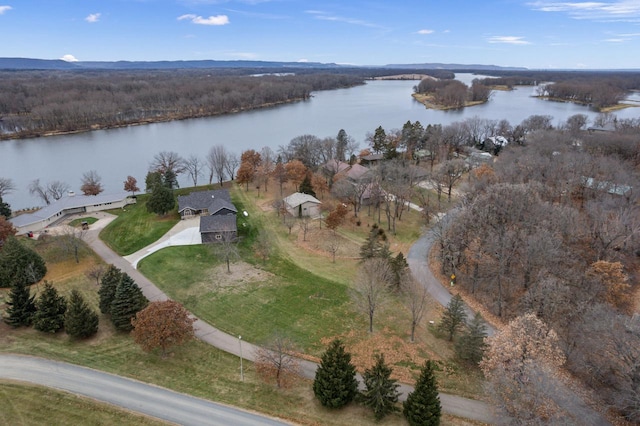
point(306, 187)
point(380, 392)
point(19, 262)
point(51, 307)
point(376, 245)
point(422, 407)
point(21, 305)
point(398, 266)
point(335, 384)
point(471, 344)
point(127, 302)
point(108, 285)
point(453, 318)
point(5, 209)
point(80, 320)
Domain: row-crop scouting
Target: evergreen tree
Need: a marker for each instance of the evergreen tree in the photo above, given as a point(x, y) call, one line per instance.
point(21, 305)
point(453, 317)
point(80, 320)
point(376, 245)
point(18, 262)
point(335, 384)
point(380, 392)
point(161, 200)
point(127, 302)
point(379, 140)
point(306, 187)
point(51, 308)
point(5, 209)
point(108, 285)
point(398, 266)
point(471, 344)
point(422, 407)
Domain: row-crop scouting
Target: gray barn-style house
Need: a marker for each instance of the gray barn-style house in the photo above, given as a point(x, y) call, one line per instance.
point(216, 211)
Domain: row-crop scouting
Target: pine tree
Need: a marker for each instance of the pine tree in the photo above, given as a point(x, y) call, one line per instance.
point(161, 200)
point(5, 209)
point(471, 344)
point(51, 308)
point(453, 317)
point(335, 384)
point(127, 302)
point(398, 266)
point(80, 321)
point(108, 285)
point(21, 305)
point(380, 393)
point(422, 407)
point(306, 187)
point(18, 262)
point(376, 245)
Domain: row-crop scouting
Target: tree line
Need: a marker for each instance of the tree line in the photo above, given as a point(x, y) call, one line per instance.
point(39, 102)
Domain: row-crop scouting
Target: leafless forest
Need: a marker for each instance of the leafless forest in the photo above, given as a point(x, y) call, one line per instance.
point(34, 103)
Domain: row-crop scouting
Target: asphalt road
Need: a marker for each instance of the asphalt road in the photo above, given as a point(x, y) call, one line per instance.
point(154, 401)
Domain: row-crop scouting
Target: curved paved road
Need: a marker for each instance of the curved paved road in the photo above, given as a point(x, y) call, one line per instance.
point(452, 404)
point(152, 400)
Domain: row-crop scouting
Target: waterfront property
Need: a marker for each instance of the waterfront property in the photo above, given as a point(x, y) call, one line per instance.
point(70, 204)
point(216, 211)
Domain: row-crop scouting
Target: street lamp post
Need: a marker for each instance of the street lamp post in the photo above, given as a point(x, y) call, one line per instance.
point(241, 371)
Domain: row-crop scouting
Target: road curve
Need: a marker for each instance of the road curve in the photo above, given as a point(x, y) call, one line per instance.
point(133, 395)
point(452, 404)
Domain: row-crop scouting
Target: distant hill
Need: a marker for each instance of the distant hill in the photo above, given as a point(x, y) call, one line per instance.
point(471, 67)
point(57, 64)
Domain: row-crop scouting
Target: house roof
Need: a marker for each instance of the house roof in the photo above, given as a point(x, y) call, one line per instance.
point(356, 172)
point(373, 157)
point(67, 202)
point(298, 198)
point(336, 166)
point(213, 200)
point(218, 223)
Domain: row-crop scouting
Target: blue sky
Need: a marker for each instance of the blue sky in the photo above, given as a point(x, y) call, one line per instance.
point(533, 34)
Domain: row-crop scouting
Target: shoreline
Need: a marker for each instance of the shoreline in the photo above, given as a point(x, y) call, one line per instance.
point(164, 119)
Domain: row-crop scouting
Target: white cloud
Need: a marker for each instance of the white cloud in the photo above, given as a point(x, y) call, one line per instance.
point(425, 31)
point(615, 40)
point(69, 58)
point(507, 40)
point(4, 9)
point(211, 20)
point(93, 17)
point(303, 60)
point(325, 16)
point(617, 10)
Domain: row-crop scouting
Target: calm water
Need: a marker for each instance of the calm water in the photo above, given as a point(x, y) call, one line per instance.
point(116, 153)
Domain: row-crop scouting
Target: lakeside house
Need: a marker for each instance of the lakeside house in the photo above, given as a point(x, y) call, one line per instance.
point(216, 212)
point(69, 204)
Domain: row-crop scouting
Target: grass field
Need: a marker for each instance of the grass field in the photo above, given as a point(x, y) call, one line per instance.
point(25, 405)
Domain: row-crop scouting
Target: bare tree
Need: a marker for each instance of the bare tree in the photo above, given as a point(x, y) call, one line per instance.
point(71, 241)
point(232, 164)
point(6, 186)
point(333, 244)
point(276, 360)
point(91, 183)
point(167, 161)
point(217, 159)
point(57, 189)
point(226, 248)
point(304, 223)
point(193, 165)
point(35, 188)
point(415, 299)
point(263, 245)
point(95, 273)
point(371, 287)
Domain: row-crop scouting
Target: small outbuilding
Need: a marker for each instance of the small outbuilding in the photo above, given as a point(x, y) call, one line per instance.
point(299, 205)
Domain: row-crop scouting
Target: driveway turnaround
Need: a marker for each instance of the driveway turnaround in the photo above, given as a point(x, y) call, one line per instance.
point(130, 394)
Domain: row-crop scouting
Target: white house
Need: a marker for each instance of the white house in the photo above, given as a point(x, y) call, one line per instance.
point(69, 204)
point(299, 205)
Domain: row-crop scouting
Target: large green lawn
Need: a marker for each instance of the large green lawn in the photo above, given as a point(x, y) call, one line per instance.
point(277, 297)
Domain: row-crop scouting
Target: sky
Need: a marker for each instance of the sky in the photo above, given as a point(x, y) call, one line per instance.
point(534, 34)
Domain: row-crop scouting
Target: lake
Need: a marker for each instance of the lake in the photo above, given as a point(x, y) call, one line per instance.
point(116, 153)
